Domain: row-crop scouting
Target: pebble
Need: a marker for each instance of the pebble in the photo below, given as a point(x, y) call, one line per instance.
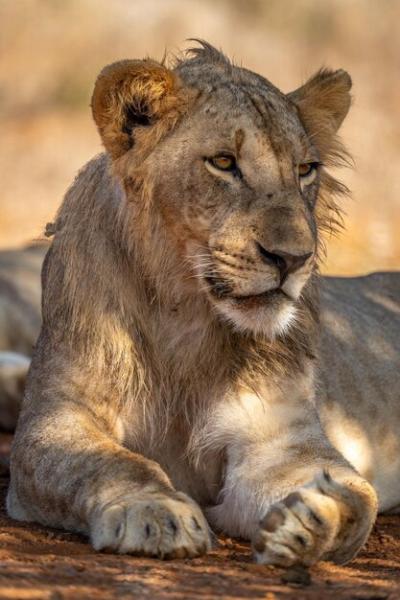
point(297, 576)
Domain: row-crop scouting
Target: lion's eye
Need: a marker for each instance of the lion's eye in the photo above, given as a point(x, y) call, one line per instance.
point(223, 162)
point(305, 169)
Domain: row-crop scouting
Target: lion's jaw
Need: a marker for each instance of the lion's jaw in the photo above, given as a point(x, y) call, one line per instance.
point(270, 314)
point(253, 299)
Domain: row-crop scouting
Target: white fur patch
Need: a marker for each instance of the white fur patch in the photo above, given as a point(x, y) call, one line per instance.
point(294, 284)
point(270, 321)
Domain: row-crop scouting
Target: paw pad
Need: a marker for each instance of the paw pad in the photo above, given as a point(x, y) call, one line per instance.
point(274, 519)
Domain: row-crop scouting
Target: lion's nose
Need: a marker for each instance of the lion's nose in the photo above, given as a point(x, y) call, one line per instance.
point(286, 263)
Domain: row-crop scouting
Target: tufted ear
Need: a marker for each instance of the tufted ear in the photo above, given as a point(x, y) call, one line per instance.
point(323, 102)
point(132, 94)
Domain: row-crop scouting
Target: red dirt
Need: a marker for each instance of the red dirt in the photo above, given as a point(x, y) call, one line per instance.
point(42, 563)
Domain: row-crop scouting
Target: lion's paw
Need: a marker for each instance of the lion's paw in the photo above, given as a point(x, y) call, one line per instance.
point(160, 525)
point(322, 520)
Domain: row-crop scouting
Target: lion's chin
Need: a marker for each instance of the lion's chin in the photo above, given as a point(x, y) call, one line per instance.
point(271, 317)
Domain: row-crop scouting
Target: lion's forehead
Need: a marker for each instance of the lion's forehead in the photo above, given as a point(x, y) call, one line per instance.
point(263, 114)
point(240, 91)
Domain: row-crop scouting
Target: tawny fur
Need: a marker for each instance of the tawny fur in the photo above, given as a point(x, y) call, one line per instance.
point(174, 353)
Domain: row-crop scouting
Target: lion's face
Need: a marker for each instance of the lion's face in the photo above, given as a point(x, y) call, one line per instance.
point(235, 183)
point(238, 188)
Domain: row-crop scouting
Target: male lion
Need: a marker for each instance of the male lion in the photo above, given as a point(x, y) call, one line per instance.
point(177, 363)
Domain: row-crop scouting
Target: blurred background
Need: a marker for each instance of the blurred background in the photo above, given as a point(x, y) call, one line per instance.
point(52, 50)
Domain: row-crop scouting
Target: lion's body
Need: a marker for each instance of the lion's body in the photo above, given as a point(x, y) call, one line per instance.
point(20, 320)
point(20, 294)
point(359, 393)
point(180, 333)
point(358, 373)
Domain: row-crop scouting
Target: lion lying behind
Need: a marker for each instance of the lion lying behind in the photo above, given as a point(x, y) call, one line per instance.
point(19, 323)
point(181, 378)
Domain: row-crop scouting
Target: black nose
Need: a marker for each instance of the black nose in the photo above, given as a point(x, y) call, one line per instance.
point(285, 262)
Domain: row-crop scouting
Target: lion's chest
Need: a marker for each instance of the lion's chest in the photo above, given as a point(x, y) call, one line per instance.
point(202, 480)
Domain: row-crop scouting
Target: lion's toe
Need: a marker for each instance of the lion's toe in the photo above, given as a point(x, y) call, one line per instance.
point(161, 526)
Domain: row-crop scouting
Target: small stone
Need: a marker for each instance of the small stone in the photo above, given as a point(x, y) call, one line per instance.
point(297, 576)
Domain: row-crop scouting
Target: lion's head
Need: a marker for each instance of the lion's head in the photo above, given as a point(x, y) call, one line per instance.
point(231, 171)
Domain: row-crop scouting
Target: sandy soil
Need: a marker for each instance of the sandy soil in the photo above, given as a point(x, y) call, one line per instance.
point(41, 563)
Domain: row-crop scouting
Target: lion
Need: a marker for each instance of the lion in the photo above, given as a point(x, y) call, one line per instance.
point(19, 323)
point(194, 372)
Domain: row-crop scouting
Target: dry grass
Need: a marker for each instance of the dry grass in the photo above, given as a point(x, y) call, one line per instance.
point(51, 51)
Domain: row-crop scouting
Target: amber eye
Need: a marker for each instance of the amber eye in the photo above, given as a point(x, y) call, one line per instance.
point(305, 169)
point(223, 162)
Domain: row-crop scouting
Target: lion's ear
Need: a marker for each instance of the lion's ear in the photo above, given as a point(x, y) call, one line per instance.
point(130, 94)
point(323, 102)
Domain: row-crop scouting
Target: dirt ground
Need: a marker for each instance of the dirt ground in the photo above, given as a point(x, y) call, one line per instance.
point(40, 563)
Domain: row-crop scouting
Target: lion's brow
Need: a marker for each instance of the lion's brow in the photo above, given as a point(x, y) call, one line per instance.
point(265, 109)
point(239, 139)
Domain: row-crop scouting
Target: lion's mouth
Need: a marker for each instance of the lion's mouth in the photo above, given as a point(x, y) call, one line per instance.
point(222, 290)
point(256, 300)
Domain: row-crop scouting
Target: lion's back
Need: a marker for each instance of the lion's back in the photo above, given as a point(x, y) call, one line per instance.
point(359, 366)
point(360, 341)
point(362, 313)
point(358, 394)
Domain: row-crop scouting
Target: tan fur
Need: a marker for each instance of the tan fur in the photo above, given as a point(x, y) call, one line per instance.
point(178, 348)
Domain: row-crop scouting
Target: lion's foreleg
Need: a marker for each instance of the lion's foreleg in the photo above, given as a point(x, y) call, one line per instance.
point(329, 517)
point(68, 471)
point(286, 487)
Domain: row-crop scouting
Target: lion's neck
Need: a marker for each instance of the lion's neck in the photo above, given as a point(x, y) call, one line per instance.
point(190, 342)
point(195, 347)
